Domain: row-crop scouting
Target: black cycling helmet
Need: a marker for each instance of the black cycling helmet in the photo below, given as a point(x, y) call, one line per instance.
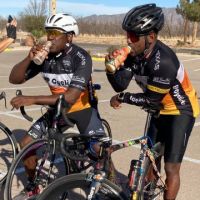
point(143, 19)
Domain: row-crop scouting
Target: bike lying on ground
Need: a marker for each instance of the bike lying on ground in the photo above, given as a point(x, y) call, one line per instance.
point(95, 185)
point(51, 164)
point(8, 147)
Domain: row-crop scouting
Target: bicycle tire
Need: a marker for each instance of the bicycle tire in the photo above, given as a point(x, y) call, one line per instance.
point(64, 185)
point(107, 128)
point(8, 151)
point(17, 179)
point(151, 190)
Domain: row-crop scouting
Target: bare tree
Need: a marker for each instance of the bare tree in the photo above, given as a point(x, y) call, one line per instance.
point(36, 8)
point(34, 16)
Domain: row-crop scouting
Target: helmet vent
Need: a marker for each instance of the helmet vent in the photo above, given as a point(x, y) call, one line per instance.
point(58, 19)
point(51, 18)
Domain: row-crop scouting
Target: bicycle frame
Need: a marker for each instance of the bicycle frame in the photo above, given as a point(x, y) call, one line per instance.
point(134, 180)
point(99, 173)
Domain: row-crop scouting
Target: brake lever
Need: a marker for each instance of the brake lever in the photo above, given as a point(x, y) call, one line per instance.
point(22, 110)
point(3, 96)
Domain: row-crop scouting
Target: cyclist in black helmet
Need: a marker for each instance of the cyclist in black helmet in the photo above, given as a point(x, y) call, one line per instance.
point(165, 84)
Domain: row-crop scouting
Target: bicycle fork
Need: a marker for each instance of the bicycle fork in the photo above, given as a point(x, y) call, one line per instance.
point(96, 181)
point(44, 161)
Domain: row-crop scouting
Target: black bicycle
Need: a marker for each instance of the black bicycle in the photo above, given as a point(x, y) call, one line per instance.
point(8, 147)
point(51, 164)
point(95, 185)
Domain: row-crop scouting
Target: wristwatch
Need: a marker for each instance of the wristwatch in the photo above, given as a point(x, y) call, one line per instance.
point(120, 97)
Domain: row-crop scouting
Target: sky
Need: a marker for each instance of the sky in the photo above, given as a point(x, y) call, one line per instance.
point(82, 8)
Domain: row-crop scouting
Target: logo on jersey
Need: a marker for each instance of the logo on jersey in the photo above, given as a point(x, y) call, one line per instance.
point(161, 80)
point(32, 134)
point(176, 93)
point(157, 64)
point(82, 57)
point(57, 79)
point(66, 63)
point(78, 79)
point(60, 83)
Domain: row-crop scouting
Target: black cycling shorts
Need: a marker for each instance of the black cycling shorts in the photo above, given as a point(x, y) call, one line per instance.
point(174, 131)
point(87, 121)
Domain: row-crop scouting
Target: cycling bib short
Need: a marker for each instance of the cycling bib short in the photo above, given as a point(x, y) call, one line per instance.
point(173, 131)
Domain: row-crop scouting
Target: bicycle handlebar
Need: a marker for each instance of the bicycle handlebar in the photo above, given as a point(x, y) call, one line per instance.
point(60, 110)
point(3, 96)
point(22, 110)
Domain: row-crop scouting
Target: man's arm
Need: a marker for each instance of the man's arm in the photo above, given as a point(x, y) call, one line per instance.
point(120, 79)
point(5, 43)
point(71, 96)
point(25, 69)
point(17, 75)
point(11, 35)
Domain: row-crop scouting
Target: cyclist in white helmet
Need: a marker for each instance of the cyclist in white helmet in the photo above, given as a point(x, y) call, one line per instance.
point(67, 70)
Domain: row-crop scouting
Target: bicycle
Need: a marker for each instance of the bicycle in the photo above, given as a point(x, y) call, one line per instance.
point(50, 163)
point(95, 186)
point(8, 147)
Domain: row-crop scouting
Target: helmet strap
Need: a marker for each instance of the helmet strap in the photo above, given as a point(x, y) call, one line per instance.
point(148, 47)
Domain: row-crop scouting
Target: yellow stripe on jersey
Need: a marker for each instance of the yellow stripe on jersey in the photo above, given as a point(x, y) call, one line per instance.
point(158, 90)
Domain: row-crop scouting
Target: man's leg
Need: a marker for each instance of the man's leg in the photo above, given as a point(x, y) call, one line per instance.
point(177, 130)
point(89, 122)
point(172, 180)
point(30, 160)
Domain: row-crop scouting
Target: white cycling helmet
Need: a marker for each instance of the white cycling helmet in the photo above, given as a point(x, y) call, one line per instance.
point(63, 22)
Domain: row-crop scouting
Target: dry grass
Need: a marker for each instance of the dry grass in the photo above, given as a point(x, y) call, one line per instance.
point(121, 40)
point(118, 40)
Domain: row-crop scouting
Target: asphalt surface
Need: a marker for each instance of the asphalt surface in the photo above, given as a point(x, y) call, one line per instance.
point(126, 123)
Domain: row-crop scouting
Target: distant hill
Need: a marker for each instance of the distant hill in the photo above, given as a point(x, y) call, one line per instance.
point(170, 16)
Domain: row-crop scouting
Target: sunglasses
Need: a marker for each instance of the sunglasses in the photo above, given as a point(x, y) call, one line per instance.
point(133, 37)
point(54, 33)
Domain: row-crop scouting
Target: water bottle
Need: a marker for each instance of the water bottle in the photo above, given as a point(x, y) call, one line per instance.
point(113, 64)
point(41, 55)
point(134, 174)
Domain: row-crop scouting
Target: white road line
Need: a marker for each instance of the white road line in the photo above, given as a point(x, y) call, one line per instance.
point(103, 101)
point(196, 161)
point(191, 160)
point(15, 116)
point(59, 160)
point(10, 113)
point(196, 70)
point(18, 111)
point(28, 87)
point(197, 124)
point(190, 59)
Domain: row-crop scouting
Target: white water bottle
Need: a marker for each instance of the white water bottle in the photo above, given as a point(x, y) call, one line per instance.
point(41, 55)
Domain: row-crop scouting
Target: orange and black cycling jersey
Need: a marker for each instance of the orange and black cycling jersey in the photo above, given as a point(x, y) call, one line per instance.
point(163, 79)
point(70, 68)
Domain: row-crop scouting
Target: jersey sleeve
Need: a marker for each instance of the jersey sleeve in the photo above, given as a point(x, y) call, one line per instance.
point(32, 71)
point(161, 76)
point(82, 74)
point(122, 77)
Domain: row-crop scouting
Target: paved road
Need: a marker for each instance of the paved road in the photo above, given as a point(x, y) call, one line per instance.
point(125, 123)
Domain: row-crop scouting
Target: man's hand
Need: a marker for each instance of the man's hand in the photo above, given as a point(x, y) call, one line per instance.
point(11, 29)
point(21, 100)
point(115, 103)
point(34, 50)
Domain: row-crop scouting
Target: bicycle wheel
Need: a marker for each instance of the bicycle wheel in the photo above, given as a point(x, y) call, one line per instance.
point(8, 151)
point(17, 178)
point(153, 188)
point(107, 128)
point(76, 187)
